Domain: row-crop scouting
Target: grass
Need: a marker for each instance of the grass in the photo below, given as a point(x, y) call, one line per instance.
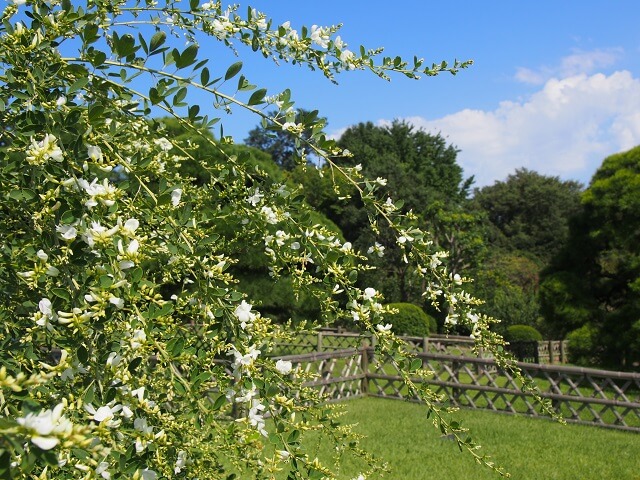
point(534, 449)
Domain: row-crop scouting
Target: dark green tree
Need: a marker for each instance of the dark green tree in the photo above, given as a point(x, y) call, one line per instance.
point(421, 170)
point(530, 212)
point(595, 280)
point(285, 148)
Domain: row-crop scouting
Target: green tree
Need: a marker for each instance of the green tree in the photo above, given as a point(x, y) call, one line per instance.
point(287, 149)
point(530, 212)
point(595, 280)
point(419, 170)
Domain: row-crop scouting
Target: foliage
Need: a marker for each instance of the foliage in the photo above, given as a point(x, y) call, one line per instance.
point(285, 147)
point(508, 283)
point(531, 211)
point(409, 319)
point(594, 280)
point(522, 333)
point(127, 346)
point(583, 345)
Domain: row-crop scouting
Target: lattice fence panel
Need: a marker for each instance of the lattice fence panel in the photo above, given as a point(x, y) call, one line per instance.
point(337, 375)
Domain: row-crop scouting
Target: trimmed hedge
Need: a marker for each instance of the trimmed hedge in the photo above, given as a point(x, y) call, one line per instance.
point(582, 345)
point(522, 333)
point(411, 320)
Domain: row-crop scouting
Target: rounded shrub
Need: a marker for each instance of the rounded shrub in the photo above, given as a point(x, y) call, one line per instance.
point(411, 320)
point(583, 345)
point(522, 333)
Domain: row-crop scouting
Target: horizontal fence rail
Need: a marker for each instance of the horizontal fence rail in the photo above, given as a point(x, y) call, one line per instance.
point(585, 396)
point(548, 351)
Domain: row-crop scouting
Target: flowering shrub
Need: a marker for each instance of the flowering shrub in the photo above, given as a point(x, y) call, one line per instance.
point(127, 349)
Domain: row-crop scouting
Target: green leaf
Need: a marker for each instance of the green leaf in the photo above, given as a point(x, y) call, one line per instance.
point(180, 96)
point(293, 436)
point(177, 385)
point(187, 57)
point(136, 274)
point(22, 194)
point(155, 96)
point(416, 363)
point(106, 281)
point(219, 402)
point(61, 293)
point(156, 41)
point(175, 346)
point(257, 97)
point(135, 363)
point(98, 58)
point(204, 76)
point(83, 354)
point(78, 85)
point(233, 70)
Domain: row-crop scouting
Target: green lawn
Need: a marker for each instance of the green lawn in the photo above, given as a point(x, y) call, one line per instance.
point(534, 449)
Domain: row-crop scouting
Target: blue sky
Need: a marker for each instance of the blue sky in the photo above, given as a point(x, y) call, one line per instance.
point(555, 85)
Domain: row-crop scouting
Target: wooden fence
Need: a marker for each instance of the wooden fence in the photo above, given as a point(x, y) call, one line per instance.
point(585, 396)
point(548, 351)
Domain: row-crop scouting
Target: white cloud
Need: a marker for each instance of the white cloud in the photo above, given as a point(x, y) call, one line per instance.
point(578, 63)
point(567, 128)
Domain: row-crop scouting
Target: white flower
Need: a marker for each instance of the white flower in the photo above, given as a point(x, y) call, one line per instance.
point(101, 470)
point(102, 192)
point(369, 293)
point(181, 462)
point(243, 314)
point(19, 2)
point(67, 232)
point(98, 233)
point(256, 419)
point(147, 474)
point(284, 366)
point(42, 256)
point(46, 426)
point(244, 360)
point(138, 338)
point(141, 425)
point(113, 360)
point(320, 36)
point(283, 454)
point(130, 226)
point(457, 279)
point(94, 152)
point(117, 301)
point(384, 328)
point(346, 247)
point(45, 307)
point(176, 195)
point(255, 198)
point(164, 144)
point(104, 414)
point(61, 101)
point(40, 152)
point(377, 248)
point(269, 214)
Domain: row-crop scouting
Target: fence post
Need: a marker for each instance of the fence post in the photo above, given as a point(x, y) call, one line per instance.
point(455, 394)
point(563, 357)
point(319, 345)
point(425, 344)
point(550, 347)
point(364, 364)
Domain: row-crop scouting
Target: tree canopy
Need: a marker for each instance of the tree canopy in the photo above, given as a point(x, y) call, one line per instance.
point(595, 279)
point(531, 211)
